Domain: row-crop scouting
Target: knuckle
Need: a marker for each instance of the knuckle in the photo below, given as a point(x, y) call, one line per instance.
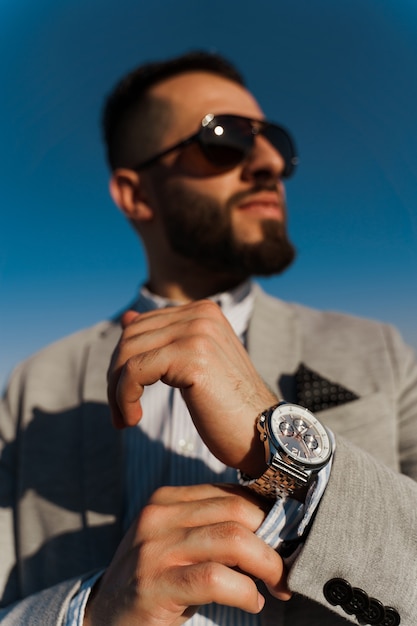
point(230, 531)
point(209, 575)
point(208, 307)
point(237, 508)
point(272, 563)
point(162, 494)
point(201, 327)
point(132, 364)
point(124, 344)
point(207, 316)
point(150, 517)
point(236, 533)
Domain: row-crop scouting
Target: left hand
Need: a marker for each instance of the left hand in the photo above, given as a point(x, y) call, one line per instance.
point(189, 546)
point(194, 348)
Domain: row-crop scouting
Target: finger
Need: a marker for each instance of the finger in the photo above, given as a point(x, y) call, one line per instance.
point(128, 317)
point(113, 374)
point(233, 545)
point(155, 329)
point(126, 384)
point(201, 513)
point(123, 401)
point(219, 529)
point(158, 318)
point(192, 493)
point(129, 369)
point(207, 504)
point(141, 341)
point(203, 583)
point(127, 377)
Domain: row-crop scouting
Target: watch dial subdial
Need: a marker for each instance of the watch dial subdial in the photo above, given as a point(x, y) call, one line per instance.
point(286, 429)
point(311, 442)
point(300, 425)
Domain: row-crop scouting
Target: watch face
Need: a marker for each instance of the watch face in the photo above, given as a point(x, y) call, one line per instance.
point(300, 435)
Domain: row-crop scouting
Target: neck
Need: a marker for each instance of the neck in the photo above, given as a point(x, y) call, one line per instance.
point(182, 279)
point(191, 285)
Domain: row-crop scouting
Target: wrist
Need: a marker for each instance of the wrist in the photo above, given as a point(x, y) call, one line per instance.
point(254, 463)
point(88, 618)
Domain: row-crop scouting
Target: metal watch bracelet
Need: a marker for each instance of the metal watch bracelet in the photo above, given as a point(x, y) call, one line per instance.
point(279, 480)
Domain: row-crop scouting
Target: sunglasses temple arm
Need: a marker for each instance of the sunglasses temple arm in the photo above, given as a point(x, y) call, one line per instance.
point(160, 155)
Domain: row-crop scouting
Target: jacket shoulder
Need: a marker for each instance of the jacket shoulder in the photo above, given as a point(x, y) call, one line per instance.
point(67, 351)
point(54, 377)
point(313, 321)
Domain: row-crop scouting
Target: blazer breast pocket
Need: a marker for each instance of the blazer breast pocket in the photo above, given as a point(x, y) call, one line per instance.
point(370, 423)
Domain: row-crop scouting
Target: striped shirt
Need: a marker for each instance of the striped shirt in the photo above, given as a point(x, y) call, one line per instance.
point(165, 449)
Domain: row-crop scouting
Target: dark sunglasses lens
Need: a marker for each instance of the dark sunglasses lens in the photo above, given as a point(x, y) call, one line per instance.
point(283, 143)
point(225, 141)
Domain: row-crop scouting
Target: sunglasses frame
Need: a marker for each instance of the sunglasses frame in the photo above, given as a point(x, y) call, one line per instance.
point(258, 127)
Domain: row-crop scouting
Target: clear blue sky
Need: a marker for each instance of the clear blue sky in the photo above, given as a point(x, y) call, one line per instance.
point(341, 75)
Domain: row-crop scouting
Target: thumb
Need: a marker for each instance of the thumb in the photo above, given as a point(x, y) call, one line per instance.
point(128, 317)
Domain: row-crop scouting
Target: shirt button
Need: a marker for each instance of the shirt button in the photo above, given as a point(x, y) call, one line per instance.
point(186, 447)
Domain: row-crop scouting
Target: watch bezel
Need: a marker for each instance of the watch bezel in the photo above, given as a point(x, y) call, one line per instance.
point(287, 455)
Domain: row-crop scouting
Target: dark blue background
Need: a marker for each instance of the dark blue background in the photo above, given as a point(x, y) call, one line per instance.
point(341, 76)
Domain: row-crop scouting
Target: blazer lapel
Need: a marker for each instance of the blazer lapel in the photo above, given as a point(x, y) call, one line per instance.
point(274, 343)
point(102, 452)
point(279, 349)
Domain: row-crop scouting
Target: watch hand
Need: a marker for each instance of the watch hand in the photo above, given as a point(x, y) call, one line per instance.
point(308, 450)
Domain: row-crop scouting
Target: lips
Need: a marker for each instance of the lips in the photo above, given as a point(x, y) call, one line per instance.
point(267, 204)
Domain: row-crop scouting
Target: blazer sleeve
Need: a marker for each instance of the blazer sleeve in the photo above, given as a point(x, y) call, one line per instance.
point(365, 530)
point(46, 608)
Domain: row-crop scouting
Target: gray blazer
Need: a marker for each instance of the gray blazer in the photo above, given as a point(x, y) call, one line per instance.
point(61, 465)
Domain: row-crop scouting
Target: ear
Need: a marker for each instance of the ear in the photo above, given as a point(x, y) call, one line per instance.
point(129, 195)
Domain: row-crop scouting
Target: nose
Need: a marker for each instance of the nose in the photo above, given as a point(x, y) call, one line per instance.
point(264, 162)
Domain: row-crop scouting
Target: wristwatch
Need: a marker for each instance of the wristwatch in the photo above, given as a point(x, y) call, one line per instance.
point(297, 446)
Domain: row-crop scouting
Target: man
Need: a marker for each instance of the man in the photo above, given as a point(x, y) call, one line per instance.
point(324, 524)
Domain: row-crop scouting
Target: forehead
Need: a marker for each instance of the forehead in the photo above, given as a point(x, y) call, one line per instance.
point(194, 94)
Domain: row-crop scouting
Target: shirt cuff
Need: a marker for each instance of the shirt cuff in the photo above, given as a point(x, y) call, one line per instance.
point(76, 609)
point(286, 526)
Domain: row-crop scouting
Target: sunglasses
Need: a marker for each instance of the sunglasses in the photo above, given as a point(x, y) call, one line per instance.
point(226, 140)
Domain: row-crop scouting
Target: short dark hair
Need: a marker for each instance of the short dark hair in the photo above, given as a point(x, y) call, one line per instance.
point(134, 121)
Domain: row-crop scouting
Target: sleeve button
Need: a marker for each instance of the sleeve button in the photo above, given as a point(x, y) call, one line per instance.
point(359, 603)
point(337, 591)
point(373, 615)
point(392, 617)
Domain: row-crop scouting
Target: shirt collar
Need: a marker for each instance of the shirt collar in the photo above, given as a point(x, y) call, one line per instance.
point(236, 304)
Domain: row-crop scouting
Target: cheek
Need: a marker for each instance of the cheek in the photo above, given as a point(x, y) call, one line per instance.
point(213, 191)
point(194, 170)
point(246, 228)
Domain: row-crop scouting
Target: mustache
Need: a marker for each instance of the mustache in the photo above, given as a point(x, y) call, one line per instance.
point(242, 195)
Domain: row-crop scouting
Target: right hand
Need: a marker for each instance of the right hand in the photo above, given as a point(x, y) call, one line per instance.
point(189, 546)
point(195, 349)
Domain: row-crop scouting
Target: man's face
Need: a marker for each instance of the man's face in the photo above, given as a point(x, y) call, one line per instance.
point(231, 220)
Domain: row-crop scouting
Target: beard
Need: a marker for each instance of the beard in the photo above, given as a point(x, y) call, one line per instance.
point(200, 228)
